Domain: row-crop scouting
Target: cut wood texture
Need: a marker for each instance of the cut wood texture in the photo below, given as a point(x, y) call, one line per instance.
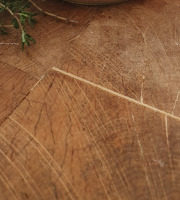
point(72, 140)
point(14, 86)
point(92, 111)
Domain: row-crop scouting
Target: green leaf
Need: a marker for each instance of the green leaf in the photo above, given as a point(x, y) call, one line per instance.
point(26, 39)
point(30, 38)
point(30, 14)
point(23, 18)
point(27, 5)
point(31, 21)
point(15, 23)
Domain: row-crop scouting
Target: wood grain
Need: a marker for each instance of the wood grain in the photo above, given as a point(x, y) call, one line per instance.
point(14, 86)
point(132, 48)
point(101, 119)
point(69, 140)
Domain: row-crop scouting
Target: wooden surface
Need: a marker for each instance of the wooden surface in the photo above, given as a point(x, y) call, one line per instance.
point(14, 86)
point(92, 111)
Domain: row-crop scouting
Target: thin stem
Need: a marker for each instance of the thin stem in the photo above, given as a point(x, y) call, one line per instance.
point(7, 26)
point(52, 15)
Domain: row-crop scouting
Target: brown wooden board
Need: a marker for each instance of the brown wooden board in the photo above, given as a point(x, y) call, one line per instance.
point(71, 140)
point(14, 86)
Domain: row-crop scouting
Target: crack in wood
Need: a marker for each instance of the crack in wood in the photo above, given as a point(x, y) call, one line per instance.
point(115, 93)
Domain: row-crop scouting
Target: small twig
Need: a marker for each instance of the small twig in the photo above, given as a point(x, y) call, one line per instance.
point(7, 26)
point(51, 14)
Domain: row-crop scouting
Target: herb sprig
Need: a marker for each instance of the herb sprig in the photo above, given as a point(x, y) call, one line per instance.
point(21, 17)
